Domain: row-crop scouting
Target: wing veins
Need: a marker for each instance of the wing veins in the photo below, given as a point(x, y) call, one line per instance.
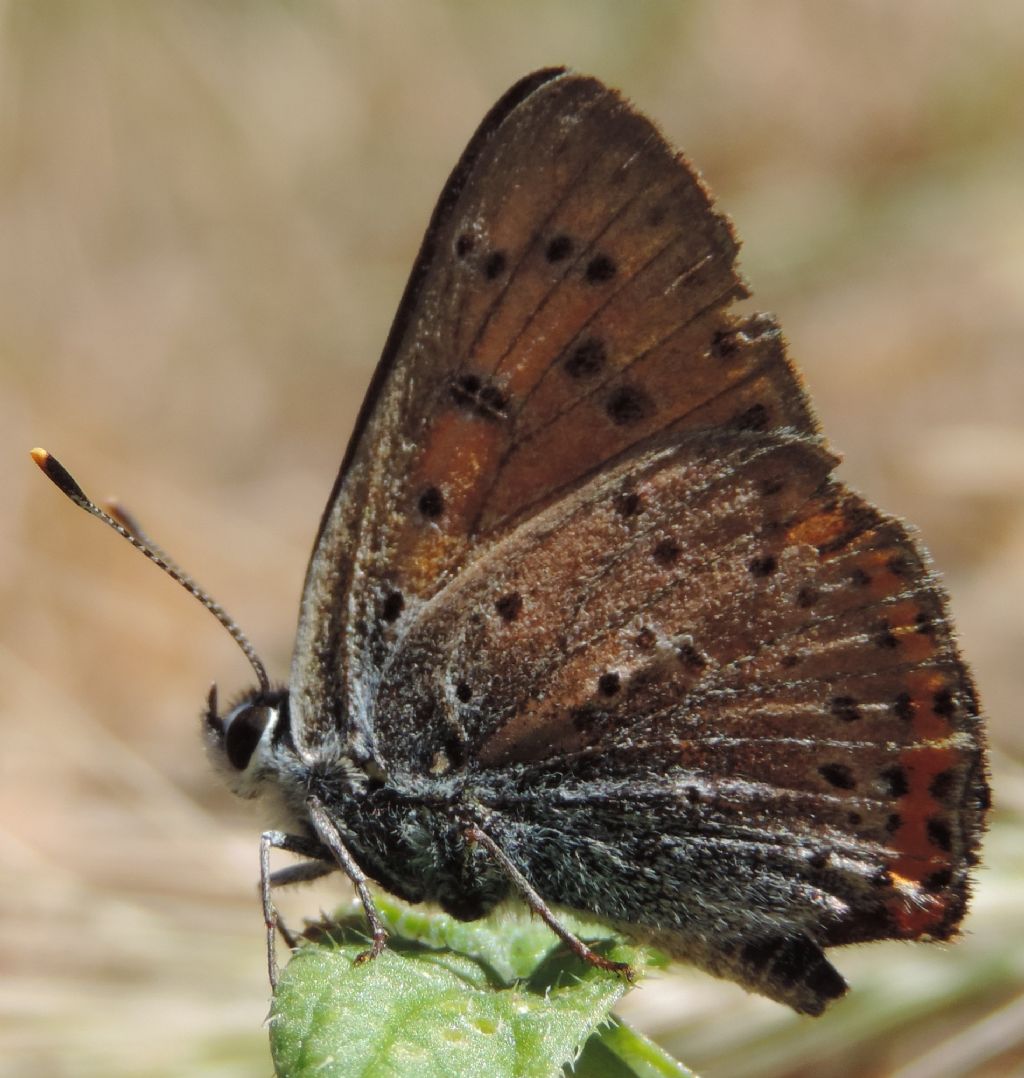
point(652, 436)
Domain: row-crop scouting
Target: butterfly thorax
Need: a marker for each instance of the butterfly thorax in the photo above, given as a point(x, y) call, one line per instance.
point(409, 835)
point(406, 831)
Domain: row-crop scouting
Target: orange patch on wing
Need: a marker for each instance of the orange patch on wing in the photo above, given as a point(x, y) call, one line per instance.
point(918, 855)
point(883, 581)
point(459, 454)
point(923, 687)
point(915, 912)
point(915, 646)
point(818, 530)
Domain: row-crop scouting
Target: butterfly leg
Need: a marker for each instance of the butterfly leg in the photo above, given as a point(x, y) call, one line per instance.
point(329, 835)
point(304, 872)
point(308, 870)
point(540, 907)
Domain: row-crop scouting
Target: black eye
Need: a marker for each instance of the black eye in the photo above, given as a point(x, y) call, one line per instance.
point(243, 732)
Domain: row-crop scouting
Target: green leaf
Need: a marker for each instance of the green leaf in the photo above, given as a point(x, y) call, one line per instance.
point(617, 1051)
point(496, 997)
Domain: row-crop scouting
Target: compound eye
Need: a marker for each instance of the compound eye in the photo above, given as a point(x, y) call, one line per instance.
point(242, 732)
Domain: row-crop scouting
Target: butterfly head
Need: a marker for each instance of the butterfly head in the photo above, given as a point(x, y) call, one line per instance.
point(251, 742)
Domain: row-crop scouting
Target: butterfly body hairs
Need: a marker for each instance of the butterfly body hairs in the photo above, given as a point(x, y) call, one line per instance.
point(589, 621)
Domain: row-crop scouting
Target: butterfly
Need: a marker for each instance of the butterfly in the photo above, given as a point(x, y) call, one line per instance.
point(588, 620)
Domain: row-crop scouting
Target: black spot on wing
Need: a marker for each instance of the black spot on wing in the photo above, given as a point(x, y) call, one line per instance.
point(629, 405)
point(599, 269)
point(394, 604)
point(509, 606)
point(586, 359)
point(431, 503)
point(559, 248)
point(495, 264)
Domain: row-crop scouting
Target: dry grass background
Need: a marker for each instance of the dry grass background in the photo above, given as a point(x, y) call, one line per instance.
point(207, 212)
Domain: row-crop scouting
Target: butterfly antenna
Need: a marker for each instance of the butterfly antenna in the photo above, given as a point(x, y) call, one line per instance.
point(126, 526)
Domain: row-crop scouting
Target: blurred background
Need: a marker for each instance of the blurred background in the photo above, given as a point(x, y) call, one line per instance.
point(207, 215)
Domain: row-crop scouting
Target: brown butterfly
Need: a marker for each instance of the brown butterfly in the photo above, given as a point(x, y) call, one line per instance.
point(589, 620)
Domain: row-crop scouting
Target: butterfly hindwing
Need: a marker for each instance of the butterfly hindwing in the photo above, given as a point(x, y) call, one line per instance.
point(715, 671)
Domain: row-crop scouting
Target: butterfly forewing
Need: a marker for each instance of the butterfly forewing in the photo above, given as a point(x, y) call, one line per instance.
point(586, 540)
point(574, 268)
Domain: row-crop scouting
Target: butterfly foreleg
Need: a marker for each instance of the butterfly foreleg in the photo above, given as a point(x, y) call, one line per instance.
point(301, 873)
point(477, 835)
point(329, 835)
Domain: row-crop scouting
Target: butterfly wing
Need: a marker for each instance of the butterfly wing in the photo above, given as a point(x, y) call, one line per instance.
point(722, 688)
point(567, 307)
point(586, 548)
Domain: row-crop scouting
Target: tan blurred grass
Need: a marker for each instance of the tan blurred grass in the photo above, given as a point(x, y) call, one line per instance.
point(207, 213)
